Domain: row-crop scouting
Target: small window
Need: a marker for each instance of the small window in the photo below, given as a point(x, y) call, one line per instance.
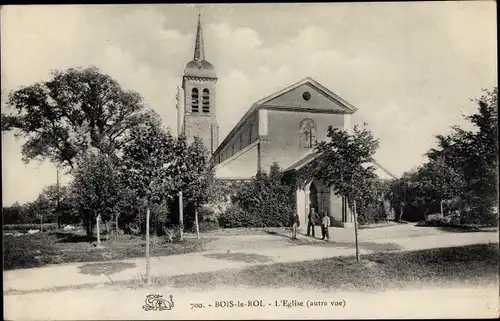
point(241, 141)
point(195, 102)
point(206, 100)
point(232, 149)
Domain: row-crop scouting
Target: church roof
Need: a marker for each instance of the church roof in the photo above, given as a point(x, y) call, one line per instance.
point(199, 67)
point(308, 80)
point(302, 162)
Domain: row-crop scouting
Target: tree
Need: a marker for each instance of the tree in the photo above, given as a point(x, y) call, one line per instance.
point(344, 163)
point(74, 110)
point(198, 176)
point(96, 189)
point(436, 181)
point(13, 214)
point(402, 192)
point(474, 153)
point(43, 209)
point(151, 167)
point(57, 197)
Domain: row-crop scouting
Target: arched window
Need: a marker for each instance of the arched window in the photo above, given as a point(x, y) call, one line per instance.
point(195, 102)
point(307, 133)
point(206, 100)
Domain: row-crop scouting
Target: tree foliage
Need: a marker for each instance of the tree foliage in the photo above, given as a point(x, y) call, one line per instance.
point(344, 161)
point(157, 166)
point(74, 110)
point(150, 164)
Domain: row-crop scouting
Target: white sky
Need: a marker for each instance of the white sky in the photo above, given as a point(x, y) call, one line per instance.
point(409, 68)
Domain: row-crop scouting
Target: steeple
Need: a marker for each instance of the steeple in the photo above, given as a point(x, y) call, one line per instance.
point(199, 67)
point(199, 53)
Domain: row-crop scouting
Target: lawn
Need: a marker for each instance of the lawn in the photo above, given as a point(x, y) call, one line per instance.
point(473, 265)
point(67, 247)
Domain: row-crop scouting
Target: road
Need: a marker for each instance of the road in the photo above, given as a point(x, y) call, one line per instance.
point(30, 294)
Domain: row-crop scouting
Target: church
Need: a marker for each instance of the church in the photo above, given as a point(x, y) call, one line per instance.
point(283, 127)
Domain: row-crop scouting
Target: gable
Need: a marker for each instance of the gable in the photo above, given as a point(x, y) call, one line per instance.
point(308, 95)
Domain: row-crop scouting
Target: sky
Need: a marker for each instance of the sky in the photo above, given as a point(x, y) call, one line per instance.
point(410, 68)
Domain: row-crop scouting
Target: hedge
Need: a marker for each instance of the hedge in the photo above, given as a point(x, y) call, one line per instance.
point(205, 226)
point(27, 227)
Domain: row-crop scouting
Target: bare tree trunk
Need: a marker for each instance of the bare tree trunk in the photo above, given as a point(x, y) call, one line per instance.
point(148, 266)
point(181, 217)
point(441, 207)
point(98, 229)
point(116, 222)
point(41, 223)
point(140, 222)
point(356, 231)
point(196, 221)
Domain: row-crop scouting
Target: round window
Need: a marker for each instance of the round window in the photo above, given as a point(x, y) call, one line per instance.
point(306, 95)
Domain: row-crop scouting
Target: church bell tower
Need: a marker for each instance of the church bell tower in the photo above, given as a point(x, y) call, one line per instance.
point(198, 84)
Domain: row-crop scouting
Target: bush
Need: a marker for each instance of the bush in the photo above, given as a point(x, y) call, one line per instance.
point(172, 233)
point(27, 227)
point(237, 217)
point(372, 212)
point(264, 202)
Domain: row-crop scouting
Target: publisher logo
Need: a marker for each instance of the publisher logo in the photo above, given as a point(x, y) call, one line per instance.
point(156, 302)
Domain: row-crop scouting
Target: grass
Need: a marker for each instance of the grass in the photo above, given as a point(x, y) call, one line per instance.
point(476, 264)
point(69, 247)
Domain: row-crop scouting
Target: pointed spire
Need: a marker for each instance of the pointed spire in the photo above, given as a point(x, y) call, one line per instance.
point(199, 52)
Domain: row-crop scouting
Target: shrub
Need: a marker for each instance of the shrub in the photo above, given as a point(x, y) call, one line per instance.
point(172, 233)
point(238, 217)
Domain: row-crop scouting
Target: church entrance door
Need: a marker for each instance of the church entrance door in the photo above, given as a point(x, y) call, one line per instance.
point(313, 197)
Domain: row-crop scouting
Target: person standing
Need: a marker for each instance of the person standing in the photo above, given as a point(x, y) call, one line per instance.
point(325, 224)
point(311, 222)
point(295, 225)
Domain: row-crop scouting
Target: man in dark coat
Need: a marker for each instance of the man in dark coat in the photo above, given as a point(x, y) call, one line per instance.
point(311, 221)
